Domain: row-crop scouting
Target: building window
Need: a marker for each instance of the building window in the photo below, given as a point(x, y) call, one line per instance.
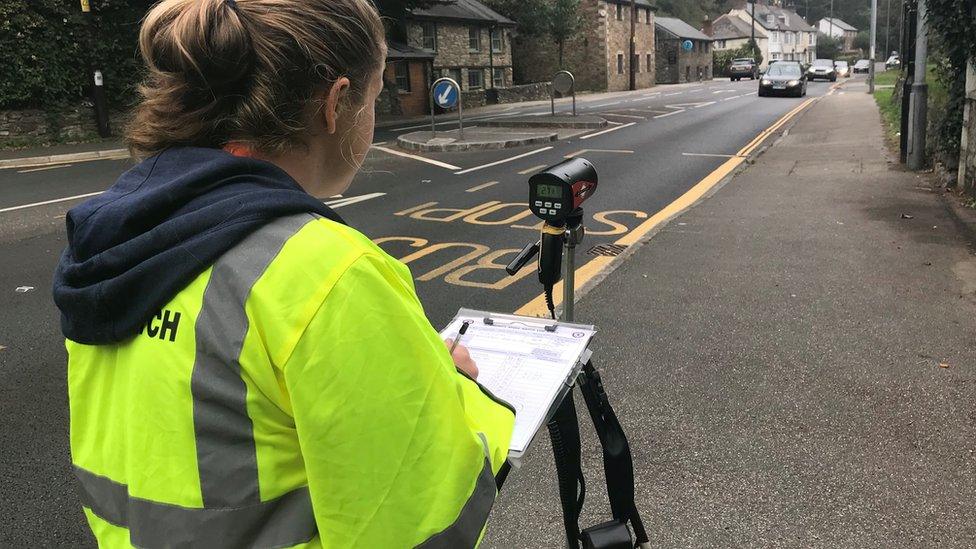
point(649, 61)
point(777, 56)
point(770, 19)
point(647, 16)
point(497, 43)
point(430, 35)
point(476, 79)
point(498, 78)
point(774, 37)
point(705, 45)
point(402, 71)
point(620, 12)
point(474, 39)
point(636, 62)
point(453, 74)
point(720, 44)
point(620, 63)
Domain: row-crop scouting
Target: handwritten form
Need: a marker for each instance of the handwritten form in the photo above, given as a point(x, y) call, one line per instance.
point(522, 363)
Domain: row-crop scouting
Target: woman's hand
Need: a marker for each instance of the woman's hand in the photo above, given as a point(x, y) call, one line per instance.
point(462, 359)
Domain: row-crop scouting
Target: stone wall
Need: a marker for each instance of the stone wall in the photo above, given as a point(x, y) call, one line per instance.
point(454, 54)
point(675, 65)
point(525, 92)
point(592, 55)
point(618, 44)
point(24, 127)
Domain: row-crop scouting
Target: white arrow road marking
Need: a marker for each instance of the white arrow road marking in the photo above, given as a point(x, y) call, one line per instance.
point(437, 163)
point(352, 200)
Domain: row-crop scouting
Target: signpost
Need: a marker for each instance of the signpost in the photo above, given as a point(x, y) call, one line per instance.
point(564, 83)
point(687, 45)
point(446, 94)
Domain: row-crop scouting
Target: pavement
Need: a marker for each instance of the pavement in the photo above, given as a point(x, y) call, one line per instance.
point(793, 359)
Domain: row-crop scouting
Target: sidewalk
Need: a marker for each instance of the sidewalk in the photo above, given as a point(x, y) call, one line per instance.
point(793, 359)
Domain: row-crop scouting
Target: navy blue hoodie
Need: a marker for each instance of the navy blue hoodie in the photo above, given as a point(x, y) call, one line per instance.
point(134, 247)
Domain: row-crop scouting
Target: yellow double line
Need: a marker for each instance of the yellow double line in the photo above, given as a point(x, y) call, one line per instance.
point(596, 266)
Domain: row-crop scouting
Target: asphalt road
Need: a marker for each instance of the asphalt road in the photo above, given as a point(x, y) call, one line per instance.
point(456, 228)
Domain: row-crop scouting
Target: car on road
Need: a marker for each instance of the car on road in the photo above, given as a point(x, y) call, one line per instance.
point(783, 78)
point(743, 67)
point(822, 68)
point(862, 66)
point(893, 62)
point(842, 68)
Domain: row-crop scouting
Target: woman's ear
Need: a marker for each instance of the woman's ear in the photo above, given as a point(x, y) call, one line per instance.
point(334, 97)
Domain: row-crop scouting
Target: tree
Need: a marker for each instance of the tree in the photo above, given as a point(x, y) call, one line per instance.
point(532, 16)
point(564, 21)
point(828, 47)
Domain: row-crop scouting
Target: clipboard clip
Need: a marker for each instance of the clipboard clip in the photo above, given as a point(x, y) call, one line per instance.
point(547, 327)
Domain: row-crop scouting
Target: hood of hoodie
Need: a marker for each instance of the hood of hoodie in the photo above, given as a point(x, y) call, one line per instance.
point(166, 220)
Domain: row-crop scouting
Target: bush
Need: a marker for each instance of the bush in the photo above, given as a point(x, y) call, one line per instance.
point(47, 46)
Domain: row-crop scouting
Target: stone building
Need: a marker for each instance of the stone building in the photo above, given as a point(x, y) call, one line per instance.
point(407, 78)
point(598, 55)
point(684, 54)
point(469, 43)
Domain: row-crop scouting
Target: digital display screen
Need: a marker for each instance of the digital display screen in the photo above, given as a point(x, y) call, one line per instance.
point(549, 191)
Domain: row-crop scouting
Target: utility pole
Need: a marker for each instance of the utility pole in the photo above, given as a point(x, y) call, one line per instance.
point(874, 41)
point(920, 92)
point(831, 31)
point(752, 17)
point(633, 44)
point(886, 51)
point(96, 79)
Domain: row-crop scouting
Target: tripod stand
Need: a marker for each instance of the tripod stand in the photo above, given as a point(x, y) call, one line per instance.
point(557, 249)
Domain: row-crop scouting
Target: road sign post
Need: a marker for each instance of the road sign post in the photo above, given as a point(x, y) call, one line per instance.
point(562, 82)
point(446, 94)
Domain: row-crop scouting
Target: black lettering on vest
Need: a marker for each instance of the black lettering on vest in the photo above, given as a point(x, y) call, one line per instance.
point(171, 321)
point(168, 325)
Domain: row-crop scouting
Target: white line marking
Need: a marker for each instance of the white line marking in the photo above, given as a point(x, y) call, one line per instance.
point(352, 200)
point(604, 105)
point(731, 98)
point(670, 94)
point(707, 154)
point(482, 186)
point(608, 130)
point(584, 151)
point(532, 169)
point(651, 94)
point(44, 168)
point(672, 113)
point(652, 111)
point(632, 117)
point(378, 144)
point(46, 202)
point(437, 163)
point(503, 161)
point(700, 105)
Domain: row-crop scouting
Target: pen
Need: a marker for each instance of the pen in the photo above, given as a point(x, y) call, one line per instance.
point(464, 328)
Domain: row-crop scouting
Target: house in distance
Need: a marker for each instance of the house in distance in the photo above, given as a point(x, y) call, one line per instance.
point(684, 54)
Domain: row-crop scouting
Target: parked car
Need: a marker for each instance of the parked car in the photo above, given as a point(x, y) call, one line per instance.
point(822, 68)
point(862, 66)
point(783, 78)
point(893, 62)
point(743, 67)
point(842, 68)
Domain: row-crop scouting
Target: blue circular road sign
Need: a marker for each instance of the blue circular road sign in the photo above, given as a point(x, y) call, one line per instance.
point(445, 94)
point(687, 45)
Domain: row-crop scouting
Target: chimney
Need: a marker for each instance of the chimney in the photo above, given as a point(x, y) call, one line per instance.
point(707, 25)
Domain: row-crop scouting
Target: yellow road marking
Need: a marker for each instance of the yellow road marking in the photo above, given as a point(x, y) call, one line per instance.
point(594, 267)
point(482, 186)
point(532, 169)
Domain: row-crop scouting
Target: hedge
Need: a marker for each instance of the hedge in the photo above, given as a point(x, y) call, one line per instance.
point(48, 45)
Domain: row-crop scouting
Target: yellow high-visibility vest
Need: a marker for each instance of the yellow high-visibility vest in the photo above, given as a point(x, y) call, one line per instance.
point(293, 395)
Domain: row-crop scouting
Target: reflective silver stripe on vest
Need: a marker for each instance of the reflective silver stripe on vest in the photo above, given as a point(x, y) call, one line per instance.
point(282, 522)
point(474, 515)
point(226, 454)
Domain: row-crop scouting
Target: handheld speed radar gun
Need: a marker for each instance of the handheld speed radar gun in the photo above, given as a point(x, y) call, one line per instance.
point(556, 195)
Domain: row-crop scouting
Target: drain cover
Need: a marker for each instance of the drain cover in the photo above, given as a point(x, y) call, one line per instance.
point(609, 250)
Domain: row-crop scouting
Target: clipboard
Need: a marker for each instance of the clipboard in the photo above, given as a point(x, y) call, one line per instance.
point(530, 363)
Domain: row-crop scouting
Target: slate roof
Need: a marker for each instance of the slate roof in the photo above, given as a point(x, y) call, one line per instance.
point(839, 24)
point(731, 27)
point(470, 11)
point(644, 4)
point(680, 29)
point(396, 51)
point(794, 22)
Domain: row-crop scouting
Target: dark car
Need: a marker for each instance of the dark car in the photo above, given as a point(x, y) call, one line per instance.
point(783, 78)
point(743, 67)
point(822, 68)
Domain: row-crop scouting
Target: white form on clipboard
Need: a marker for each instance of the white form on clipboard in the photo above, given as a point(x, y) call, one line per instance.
point(531, 363)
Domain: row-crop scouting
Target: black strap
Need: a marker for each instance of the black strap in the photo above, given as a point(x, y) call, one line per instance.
point(565, 436)
point(618, 465)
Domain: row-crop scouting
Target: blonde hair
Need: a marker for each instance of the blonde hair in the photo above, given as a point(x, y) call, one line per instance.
point(223, 71)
